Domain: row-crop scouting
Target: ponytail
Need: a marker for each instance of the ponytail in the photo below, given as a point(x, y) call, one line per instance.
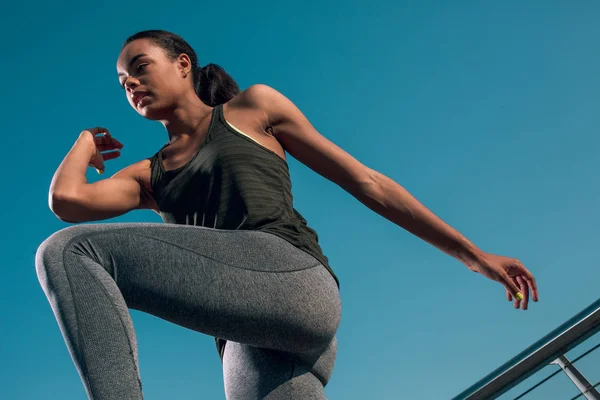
point(214, 86)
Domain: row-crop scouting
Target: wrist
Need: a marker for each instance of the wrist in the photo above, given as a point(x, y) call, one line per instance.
point(86, 140)
point(470, 255)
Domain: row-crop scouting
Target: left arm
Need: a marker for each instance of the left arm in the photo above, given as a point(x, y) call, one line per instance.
point(375, 190)
point(380, 193)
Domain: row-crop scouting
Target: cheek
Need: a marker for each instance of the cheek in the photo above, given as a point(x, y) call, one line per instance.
point(170, 84)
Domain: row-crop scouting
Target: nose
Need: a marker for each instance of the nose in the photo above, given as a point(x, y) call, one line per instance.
point(130, 84)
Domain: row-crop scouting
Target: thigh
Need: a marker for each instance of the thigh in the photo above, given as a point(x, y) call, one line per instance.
point(245, 286)
point(252, 373)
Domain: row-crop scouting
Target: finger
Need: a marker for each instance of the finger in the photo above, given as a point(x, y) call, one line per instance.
point(117, 143)
point(103, 138)
point(111, 155)
point(516, 301)
point(525, 290)
point(103, 145)
point(508, 295)
point(531, 283)
point(107, 143)
point(515, 291)
point(106, 147)
point(97, 130)
point(533, 288)
point(98, 164)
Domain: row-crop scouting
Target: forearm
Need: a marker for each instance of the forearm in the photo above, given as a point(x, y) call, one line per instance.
point(71, 173)
point(392, 201)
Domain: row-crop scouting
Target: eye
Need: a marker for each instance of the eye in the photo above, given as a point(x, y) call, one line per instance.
point(139, 68)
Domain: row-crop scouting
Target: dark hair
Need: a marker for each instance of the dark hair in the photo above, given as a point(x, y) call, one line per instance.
point(213, 85)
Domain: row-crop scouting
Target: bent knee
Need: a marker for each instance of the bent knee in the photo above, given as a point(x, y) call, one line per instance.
point(49, 255)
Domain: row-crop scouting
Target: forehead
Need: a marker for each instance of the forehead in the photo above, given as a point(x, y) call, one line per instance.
point(140, 46)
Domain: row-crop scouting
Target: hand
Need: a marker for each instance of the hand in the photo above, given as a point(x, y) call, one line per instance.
point(510, 273)
point(105, 142)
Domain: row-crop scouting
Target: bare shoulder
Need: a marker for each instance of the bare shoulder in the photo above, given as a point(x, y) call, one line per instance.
point(257, 96)
point(300, 139)
point(273, 107)
point(248, 112)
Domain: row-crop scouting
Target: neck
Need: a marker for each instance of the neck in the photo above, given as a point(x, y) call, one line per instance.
point(186, 118)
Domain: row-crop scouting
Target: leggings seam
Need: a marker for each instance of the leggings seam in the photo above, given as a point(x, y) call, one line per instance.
point(86, 235)
point(79, 337)
point(291, 380)
point(228, 264)
point(293, 370)
point(67, 246)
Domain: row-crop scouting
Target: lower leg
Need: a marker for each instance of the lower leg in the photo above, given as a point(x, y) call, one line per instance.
point(252, 373)
point(94, 320)
point(246, 287)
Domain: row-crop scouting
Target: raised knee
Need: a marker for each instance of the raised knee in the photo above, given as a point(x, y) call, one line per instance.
point(48, 257)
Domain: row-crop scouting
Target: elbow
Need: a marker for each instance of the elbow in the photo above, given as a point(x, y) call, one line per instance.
point(62, 206)
point(370, 189)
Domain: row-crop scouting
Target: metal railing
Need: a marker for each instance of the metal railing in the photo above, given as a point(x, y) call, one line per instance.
point(550, 349)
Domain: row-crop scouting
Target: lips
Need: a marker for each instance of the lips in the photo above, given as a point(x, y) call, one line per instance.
point(138, 96)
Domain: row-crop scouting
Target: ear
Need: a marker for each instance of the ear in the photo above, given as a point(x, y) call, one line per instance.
point(184, 64)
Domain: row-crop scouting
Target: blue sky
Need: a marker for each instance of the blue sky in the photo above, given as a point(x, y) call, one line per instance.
point(485, 111)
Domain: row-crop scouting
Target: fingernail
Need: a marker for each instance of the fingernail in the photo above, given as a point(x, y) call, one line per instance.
point(520, 296)
point(99, 171)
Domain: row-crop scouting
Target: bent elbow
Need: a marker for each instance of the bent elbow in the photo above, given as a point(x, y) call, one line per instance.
point(60, 205)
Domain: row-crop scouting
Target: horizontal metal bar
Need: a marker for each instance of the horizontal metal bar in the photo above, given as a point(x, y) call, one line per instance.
point(558, 342)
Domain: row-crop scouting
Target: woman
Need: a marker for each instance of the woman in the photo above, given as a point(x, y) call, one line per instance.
point(235, 260)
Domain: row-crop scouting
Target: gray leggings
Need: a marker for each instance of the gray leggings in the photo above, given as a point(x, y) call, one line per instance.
point(277, 306)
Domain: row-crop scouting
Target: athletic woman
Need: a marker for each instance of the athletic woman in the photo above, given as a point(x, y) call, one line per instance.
point(234, 259)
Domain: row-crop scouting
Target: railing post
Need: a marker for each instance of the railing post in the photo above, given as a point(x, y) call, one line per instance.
point(567, 336)
point(584, 386)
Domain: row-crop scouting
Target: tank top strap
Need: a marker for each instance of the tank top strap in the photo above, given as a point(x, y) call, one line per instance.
point(155, 171)
point(218, 115)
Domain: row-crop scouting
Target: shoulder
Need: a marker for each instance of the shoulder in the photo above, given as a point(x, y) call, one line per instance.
point(269, 102)
point(259, 96)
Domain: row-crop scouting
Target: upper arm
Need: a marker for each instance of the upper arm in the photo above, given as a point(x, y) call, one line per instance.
point(300, 139)
point(106, 198)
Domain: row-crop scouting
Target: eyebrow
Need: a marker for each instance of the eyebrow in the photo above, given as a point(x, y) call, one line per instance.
point(133, 60)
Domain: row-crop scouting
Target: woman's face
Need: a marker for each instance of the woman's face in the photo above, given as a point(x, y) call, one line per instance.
point(152, 82)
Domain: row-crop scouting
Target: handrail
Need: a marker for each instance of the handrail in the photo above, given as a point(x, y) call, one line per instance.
point(558, 342)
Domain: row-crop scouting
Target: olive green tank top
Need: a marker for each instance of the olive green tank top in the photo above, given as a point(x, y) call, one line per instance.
point(232, 182)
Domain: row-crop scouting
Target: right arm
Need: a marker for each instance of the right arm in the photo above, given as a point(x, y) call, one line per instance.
point(73, 199)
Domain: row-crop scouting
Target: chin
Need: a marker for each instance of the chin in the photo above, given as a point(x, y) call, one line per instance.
point(151, 113)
